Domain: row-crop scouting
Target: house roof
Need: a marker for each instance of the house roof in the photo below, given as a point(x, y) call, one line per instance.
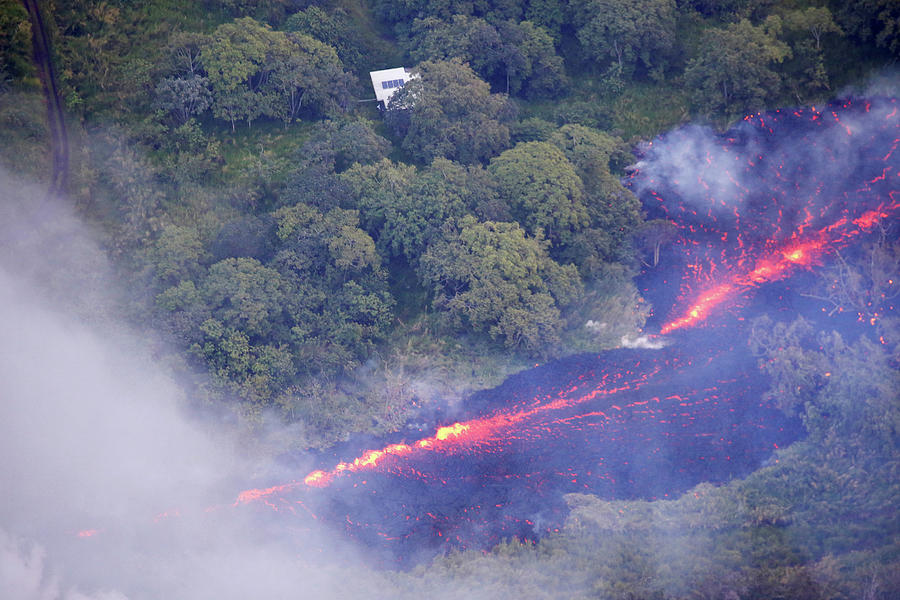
point(388, 81)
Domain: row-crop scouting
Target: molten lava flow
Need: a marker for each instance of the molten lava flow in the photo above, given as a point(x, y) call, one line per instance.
point(702, 306)
point(481, 433)
point(779, 264)
point(317, 479)
point(86, 533)
point(628, 423)
point(248, 496)
point(793, 202)
point(775, 196)
point(454, 430)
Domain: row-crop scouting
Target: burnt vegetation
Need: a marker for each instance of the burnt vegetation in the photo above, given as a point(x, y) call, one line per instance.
point(300, 257)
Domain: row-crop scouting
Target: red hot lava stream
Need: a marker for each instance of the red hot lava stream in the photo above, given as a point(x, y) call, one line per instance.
point(800, 252)
point(778, 264)
point(460, 435)
point(775, 195)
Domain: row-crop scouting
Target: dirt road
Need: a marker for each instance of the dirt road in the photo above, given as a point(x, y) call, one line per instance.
point(59, 141)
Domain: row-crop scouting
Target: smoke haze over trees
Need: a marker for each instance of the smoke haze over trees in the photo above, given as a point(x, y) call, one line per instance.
point(251, 261)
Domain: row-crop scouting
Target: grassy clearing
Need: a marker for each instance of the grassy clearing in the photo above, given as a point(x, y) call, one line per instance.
point(443, 368)
point(175, 15)
point(375, 36)
point(266, 148)
point(644, 110)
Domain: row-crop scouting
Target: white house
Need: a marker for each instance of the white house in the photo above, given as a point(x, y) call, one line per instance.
point(388, 81)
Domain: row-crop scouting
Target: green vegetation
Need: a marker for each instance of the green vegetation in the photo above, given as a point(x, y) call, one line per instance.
point(449, 112)
point(491, 277)
point(307, 261)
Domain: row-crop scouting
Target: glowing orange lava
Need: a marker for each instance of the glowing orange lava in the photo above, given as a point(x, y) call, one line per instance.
point(870, 218)
point(256, 494)
point(795, 256)
point(456, 437)
point(317, 479)
point(451, 431)
point(86, 533)
point(779, 263)
point(700, 309)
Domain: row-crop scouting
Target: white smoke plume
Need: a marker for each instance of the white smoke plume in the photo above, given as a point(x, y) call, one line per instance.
point(646, 342)
point(109, 490)
point(718, 176)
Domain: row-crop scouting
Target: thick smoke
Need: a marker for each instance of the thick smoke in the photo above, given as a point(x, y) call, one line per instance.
point(109, 490)
point(768, 168)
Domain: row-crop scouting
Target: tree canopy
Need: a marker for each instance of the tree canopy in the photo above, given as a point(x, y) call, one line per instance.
point(447, 111)
point(736, 69)
point(517, 58)
point(491, 277)
point(629, 32)
point(339, 272)
point(254, 71)
point(542, 189)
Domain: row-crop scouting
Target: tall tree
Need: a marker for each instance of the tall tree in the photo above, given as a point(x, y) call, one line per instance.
point(517, 58)
point(651, 236)
point(332, 147)
point(183, 97)
point(448, 111)
point(245, 295)
point(533, 69)
point(543, 190)
point(306, 73)
point(403, 208)
point(805, 31)
point(177, 254)
point(594, 153)
point(614, 212)
point(736, 68)
point(816, 21)
point(15, 40)
point(381, 192)
point(338, 303)
point(184, 53)
point(871, 21)
point(238, 63)
point(490, 277)
point(256, 71)
point(334, 28)
point(549, 14)
point(629, 32)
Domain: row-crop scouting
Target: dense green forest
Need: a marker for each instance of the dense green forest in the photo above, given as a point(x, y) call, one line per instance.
point(305, 258)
